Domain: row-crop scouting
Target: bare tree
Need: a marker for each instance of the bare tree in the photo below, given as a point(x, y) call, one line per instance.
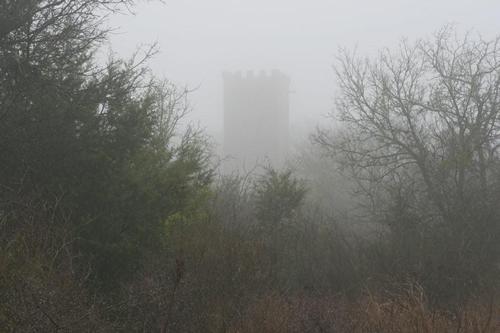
point(420, 135)
point(428, 111)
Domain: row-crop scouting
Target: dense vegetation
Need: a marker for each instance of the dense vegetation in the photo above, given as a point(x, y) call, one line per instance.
point(113, 218)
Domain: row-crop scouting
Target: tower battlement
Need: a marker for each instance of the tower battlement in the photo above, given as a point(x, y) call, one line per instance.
point(250, 75)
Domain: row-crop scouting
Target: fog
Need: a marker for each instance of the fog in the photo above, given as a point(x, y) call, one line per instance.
point(235, 181)
point(198, 40)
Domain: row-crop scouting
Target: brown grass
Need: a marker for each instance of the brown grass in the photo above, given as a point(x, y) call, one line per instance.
point(406, 312)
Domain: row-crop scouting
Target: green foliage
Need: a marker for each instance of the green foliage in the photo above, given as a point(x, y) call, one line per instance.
point(278, 195)
point(102, 139)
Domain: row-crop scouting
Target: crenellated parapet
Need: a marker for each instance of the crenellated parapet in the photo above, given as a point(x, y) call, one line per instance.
point(260, 76)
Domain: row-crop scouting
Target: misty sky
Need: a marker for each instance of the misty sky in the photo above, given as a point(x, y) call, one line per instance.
point(198, 39)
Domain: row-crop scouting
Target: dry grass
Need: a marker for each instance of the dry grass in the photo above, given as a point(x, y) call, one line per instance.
point(406, 312)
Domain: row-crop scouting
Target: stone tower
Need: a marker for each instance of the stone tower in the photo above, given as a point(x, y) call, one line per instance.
point(256, 119)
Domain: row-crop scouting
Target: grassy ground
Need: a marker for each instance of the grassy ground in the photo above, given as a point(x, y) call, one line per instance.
point(408, 312)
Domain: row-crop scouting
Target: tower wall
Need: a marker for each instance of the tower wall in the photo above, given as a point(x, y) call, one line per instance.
point(256, 119)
